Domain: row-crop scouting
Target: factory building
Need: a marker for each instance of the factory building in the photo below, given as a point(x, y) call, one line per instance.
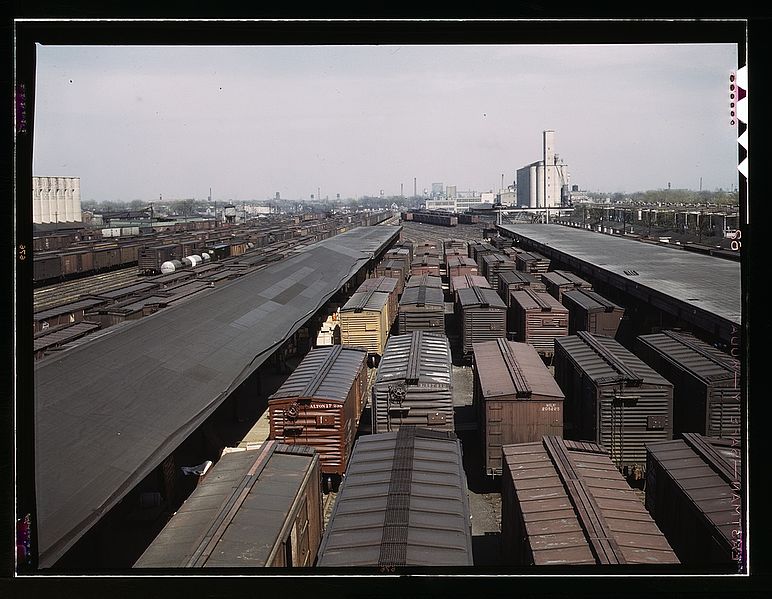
point(56, 200)
point(536, 191)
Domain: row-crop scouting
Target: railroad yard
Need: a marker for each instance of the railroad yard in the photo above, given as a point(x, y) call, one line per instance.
point(460, 399)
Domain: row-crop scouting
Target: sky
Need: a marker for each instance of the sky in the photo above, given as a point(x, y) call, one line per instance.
point(141, 122)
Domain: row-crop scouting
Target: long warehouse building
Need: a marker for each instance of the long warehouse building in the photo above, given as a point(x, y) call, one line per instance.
point(109, 411)
point(703, 291)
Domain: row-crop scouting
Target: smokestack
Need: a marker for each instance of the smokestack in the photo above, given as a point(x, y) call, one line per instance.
point(415, 188)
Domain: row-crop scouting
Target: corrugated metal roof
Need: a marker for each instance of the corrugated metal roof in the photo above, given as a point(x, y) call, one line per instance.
point(366, 300)
point(81, 304)
point(472, 296)
point(466, 281)
point(433, 359)
point(128, 290)
point(693, 355)
point(433, 527)
point(166, 374)
point(706, 282)
point(431, 296)
point(424, 281)
point(493, 370)
point(249, 534)
point(532, 300)
point(599, 369)
point(590, 300)
point(64, 335)
point(385, 284)
point(550, 493)
point(336, 380)
point(456, 261)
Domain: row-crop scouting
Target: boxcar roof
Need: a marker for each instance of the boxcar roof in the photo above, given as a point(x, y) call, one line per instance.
point(511, 275)
point(598, 368)
point(366, 300)
point(455, 261)
point(324, 373)
point(80, 304)
point(590, 300)
point(465, 281)
point(429, 296)
point(424, 280)
point(572, 277)
point(704, 468)
point(191, 356)
point(243, 537)
point(420, 355)
point(387, 284)
point(60, 336)
point(367, 526)
point(528, 376)
point(692, 354)
point(532, 300)
point(552, 477)
point(477, 296)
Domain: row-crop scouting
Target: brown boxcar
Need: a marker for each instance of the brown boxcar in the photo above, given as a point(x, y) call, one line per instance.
point(516, 398)
point(424, 281)
point(254, 508)
point(451, 246)
point(458, 266)
point(565, 503)
point(483, 316)
point(560, 281)
point(532, 262)
point(404, 502)
point(466, 281)
point(493, 264)
point(612, 398)
point(425, 265)
point(513, 280)
point(46, 267)
point(395, 269)
point(414, 384)
point(589, 311)
point(319, 405)
point(693, 494)
point(422, 309)
point(72, 262)
point(364, 321)
point(383, 285)
point(537, 318)
point(706, 382)
point(401, 254)
point(479, 250)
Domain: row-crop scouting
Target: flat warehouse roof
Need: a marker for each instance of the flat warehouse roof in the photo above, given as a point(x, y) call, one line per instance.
point(109, 411)
point(704, 283)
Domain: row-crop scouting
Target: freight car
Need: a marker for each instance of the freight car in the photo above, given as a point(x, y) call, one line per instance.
point(516, 398)
point(425, 265)
point(483, 316)
point(394, 269)
point(560, 281)
point(590, 311)
point(435, 218)
point(414, 384)
point(319, 405)
point(692, 492)
point(565, 503)
point(480, 249)
point(451, 245)
point(383, 285)
point(468, 219)
point(422, 309)
point(254, 508)
point(532, 262)
point(706, 390)
point(404, 502)
point(461, 265)
point(536, 318)
point(612, 398)
point(493, 264)
point(513, 280)
point(364, 322)
point(466, 281)
point(424, 281)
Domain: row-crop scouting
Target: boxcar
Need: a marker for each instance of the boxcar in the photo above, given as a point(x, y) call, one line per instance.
point(451, 245)
point(466, 281)
point(106, 258)
point(532, 262)
point(693, 494)
point(706, 391)
point(500, 242)
point(514, 280)
point(319, 405)
point(468, 219)
point(395, 269)
point(254, 508)
point(425, 265)
point(589, 311)
point(461, 265)
point(560, 281)
point(383, 285)
point(537, 318)
point(565, 503)
point(612, 398)
point(422, 309)
point(404, 502)
point(483, 316)
point(424, 281)
point(402, 254)
point(150, 259)
point(414, 384)
point(478, 250)
point(493, 264)
point(46, 267)
point(516, 398)
point(364, 321)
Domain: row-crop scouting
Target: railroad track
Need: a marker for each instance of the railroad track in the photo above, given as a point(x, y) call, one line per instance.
point(68, 291)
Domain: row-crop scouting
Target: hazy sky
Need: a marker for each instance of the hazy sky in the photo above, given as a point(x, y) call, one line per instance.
point(248, 121)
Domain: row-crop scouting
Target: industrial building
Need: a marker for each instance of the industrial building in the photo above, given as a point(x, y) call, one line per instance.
point(56, 200)
point(533, 191)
